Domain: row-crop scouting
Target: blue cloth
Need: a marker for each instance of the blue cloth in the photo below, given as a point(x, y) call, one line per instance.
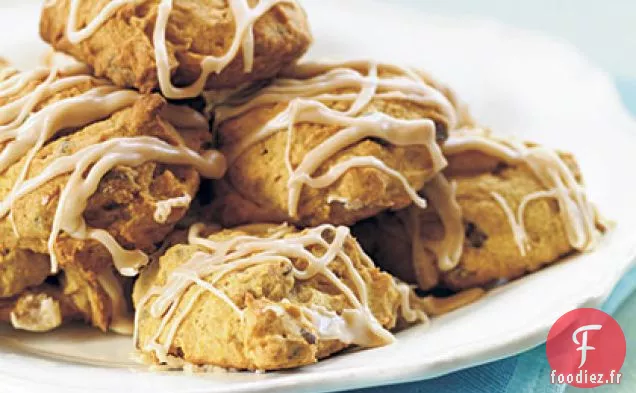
point(530, 371)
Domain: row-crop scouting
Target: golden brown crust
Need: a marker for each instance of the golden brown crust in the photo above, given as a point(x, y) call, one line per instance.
point(124, 203)
point(122, 48)
point(255, 186)
point(90, 299)
point(490, 252)
point(213, 334)
point(21, 269)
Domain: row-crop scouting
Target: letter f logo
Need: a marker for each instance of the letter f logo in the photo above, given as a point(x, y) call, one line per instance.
point(584, 347)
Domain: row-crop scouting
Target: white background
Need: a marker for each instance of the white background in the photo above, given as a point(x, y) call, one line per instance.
point(604, 30)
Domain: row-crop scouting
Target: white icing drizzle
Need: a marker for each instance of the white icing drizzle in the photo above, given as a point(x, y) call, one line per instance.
point(443, 197)
point(121, 318)
point(6, 72)
point(349, 327)
point(24, 132)
point(518, 231)
point(577, 213)
point(101, 158)
point(164, 208)
point(306, 100)
point(75, 36)
point(244, 18)
point(355, 325)
point(184, 118)
point(409, 313)
point(524, 202)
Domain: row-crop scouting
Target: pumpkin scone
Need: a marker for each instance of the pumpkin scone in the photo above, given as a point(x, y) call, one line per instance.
point(500, 210)
point(331, 143)
point(266, 297)
point(180, 47)
point(91, 176)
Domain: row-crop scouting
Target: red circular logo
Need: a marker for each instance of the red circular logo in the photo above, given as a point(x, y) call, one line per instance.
point(586, 348)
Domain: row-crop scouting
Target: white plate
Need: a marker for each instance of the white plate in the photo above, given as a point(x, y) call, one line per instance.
point(516, 82)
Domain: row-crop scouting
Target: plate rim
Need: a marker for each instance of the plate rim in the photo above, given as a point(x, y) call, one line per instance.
point(366, 377)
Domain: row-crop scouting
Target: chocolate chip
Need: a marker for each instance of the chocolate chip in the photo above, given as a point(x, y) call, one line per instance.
point(328, 235)
point(499, 168)
point(474, 236)
point(308, 336)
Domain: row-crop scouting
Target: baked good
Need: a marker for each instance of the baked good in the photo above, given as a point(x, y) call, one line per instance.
point(39, 309)
point(21, 269)
point(179, 46)
point(114, 201)
point(331, 143)
point(500, 210)
point(102, 300)
point(266, 297)
point(91, 176)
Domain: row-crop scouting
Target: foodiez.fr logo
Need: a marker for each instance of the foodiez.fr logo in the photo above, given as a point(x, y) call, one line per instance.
point(586, 348)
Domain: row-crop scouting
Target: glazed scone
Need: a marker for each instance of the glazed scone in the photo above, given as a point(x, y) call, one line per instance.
point(509, 209)
point(331, 143)
point(266, 297)
point(91, 176)
point(128, 36)
point(103, 300)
